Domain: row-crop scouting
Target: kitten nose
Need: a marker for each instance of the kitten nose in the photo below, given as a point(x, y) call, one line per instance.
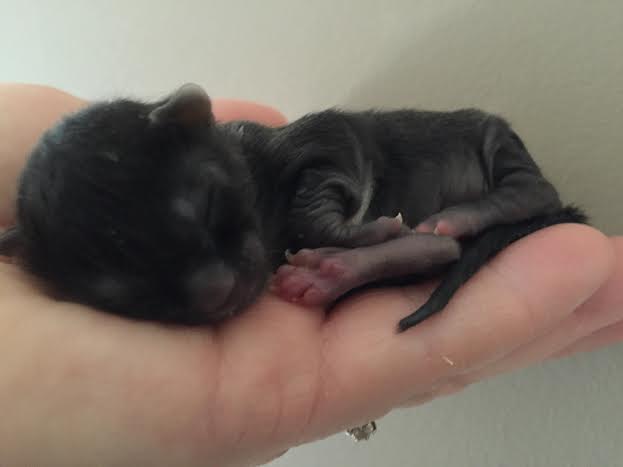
point(211, 286)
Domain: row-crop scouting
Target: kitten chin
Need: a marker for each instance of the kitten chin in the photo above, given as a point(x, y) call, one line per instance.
point(221, 290)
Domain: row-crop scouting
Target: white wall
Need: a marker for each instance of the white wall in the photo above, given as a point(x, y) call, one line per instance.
point(553, 67)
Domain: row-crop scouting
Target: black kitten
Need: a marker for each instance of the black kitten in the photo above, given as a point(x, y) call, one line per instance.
point(155, 211)
point(146, 210)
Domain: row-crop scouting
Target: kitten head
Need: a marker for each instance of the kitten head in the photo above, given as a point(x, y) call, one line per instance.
point(142, 209)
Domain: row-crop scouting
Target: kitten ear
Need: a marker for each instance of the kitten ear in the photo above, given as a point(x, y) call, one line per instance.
point(189, 105)
point(10, 241)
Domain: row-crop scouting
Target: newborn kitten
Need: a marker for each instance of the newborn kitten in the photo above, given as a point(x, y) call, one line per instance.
point(155, 211)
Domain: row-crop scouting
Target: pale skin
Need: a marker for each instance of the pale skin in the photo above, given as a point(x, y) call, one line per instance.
point(80, 387)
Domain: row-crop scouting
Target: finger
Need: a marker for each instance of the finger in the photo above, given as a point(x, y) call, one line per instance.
point(609, 335)
point(521, 295)
point(610, 303)
point(229, 109)
point(601, 310)
point(27, 110)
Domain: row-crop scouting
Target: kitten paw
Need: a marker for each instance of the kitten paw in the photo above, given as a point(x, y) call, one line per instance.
point(379, 231)
point(450, 222)
point(438, 227)
point(313, 277)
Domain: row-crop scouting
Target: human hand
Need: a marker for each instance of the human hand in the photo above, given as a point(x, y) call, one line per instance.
point(89, 388)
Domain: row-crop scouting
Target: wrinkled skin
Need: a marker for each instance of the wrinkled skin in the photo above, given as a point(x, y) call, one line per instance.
point(88, 388)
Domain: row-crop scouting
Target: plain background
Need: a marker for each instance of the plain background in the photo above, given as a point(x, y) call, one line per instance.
point(554, 68)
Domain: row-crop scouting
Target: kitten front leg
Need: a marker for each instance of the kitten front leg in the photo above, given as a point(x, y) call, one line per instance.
point(320, 276)
point(323, 210)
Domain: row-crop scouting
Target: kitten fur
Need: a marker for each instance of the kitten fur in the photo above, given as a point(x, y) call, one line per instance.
point(153, 210)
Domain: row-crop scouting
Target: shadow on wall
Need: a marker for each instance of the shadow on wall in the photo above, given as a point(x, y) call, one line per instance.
point(554, 69)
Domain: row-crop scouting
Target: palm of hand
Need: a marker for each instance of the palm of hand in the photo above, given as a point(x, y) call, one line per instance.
point(280, 375)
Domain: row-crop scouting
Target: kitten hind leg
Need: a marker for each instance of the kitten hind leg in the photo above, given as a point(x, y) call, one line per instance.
point(500, 207)
point(518, 190)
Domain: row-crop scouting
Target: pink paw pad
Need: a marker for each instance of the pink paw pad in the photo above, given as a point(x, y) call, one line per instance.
point(310, 286)
point(438, 227)
point(332, 268)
